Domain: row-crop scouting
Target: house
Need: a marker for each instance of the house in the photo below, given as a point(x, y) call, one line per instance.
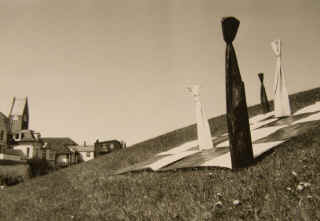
point(4, 131)
point(19, 115)
point(86, 152)
point(14, 134)
point(65, 154)
point(105, 147)
point(16, 137)
point(28, 142)
point(47, 154)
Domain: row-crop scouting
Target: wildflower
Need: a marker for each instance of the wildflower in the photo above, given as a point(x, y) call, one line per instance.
point(236, 202)
point(218, 204)
point(300, 187)
point(305, 184)
point(289, 189)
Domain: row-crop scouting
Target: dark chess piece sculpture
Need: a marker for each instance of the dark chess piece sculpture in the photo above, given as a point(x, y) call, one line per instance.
point(263, 95)
point(237, 114)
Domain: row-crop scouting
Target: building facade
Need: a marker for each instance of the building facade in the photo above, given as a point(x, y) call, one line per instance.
point(62, 147)
point(86, 152)
point(4, 132)
point(105, 147)
point(28, 142)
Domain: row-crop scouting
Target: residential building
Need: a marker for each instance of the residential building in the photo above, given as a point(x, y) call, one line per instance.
point(28, 142)
point(4, 132)
point(65, 154)
point(105, 147)
point(86, 152)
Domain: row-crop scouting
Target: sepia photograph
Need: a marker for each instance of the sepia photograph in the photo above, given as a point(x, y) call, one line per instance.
point(138, 110)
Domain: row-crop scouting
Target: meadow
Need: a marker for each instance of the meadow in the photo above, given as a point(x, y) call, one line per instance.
point(281, 185)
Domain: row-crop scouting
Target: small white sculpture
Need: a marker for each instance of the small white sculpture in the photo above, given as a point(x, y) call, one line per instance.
point(281, 98)
point(203, 129)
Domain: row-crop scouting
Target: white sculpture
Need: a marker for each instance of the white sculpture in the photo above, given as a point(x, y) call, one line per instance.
point(203, 129)
point(281, 98)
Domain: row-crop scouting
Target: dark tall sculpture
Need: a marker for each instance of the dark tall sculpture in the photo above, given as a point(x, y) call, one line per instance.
point(263, 96)
point(237, 113)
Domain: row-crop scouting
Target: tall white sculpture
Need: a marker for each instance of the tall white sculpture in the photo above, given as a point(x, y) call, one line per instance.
point(281, 98)
point(203, 129)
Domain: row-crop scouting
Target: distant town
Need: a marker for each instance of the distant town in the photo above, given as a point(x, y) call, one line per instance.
point(20, 144)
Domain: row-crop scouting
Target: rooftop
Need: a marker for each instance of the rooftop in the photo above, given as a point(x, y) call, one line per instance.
point(59, 144)
point(18, 106)
point(82, 148)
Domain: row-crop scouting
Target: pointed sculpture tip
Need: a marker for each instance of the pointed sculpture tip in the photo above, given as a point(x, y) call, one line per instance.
point(276, 47)
point(230, 27)
point(275, 41)
point(260, 75)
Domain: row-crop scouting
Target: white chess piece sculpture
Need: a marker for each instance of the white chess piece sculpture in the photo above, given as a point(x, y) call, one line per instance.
point(281, 98)
point(203, 129)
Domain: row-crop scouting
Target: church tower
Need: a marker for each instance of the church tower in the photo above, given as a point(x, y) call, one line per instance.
point(19, 115)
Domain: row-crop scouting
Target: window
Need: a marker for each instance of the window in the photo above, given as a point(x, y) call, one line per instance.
point(44, 154)
point(51, 155)
point(28, 152)
point(88, 154)
point(1, 135)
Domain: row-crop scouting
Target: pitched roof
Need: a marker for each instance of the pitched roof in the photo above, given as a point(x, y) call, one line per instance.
point(89, 148)
point(18, 105)
point(3, 116)
point(4, 120)
point(27, 135)
point(59, 144)
point(109, 141)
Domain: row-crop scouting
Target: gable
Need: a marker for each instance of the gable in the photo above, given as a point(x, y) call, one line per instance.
point(89, 148)
point(19, 106)
point(59, 144)
point(4, 122)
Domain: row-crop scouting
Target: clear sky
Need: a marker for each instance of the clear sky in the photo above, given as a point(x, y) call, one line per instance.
point(118, 68)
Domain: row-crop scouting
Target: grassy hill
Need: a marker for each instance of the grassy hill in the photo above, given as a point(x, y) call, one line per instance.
point(283, 185)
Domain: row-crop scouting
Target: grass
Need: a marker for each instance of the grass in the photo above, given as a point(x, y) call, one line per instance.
point(266, 191)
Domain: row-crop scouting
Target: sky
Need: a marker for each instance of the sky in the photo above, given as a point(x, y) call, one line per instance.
point(119, 68)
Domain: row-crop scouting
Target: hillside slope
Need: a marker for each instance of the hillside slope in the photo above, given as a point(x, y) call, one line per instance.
point(269, 190)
